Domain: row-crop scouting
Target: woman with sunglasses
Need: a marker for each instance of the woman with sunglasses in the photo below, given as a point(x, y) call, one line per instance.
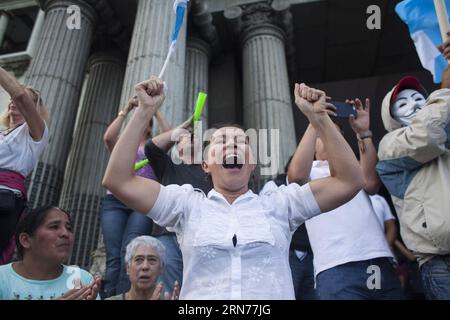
point(22, 141)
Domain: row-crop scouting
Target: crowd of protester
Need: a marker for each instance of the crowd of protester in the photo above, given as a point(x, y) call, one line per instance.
point(188, 230)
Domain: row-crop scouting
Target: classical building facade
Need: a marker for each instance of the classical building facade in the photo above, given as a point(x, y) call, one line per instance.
point(246, 54)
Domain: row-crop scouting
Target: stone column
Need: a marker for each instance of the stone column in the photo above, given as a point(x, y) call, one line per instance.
point(33, 44)
point(4, 18)
point(57, 71)
point(196, 78)
point(267, 98)
point(150, 42)
point(82, 190)
point(202, 44)
point(285, 20)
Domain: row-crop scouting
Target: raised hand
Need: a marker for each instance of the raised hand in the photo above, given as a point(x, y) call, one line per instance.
point(445, 50)
point(445, 47)
point(312, 102)
point(362, 121)
point(150, 93)
point(132, 103)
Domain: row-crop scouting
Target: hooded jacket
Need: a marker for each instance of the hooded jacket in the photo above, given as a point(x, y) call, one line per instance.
point(414, 165)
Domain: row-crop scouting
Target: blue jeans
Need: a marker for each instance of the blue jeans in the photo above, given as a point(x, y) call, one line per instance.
point(173, 269)
point(358, 281)
point(120, 225)
point(436, 278)
point(302, 276)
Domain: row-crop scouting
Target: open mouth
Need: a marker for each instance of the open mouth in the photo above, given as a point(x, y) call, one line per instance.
point(232, 162)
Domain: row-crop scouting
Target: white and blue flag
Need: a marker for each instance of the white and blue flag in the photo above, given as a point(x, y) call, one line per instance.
point(179, 7)
point(421, 18)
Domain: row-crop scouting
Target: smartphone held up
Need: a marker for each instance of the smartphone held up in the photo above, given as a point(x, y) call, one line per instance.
point(344, 110)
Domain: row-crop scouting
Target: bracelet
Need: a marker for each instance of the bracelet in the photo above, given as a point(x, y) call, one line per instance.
point(364, 135)
point(121, 113)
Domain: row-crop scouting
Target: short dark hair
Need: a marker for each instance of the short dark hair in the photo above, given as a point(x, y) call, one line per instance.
point(217, 126)
point(30, 222)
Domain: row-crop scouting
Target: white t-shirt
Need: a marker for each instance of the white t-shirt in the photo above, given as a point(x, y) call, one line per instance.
point(348, 233)
point(382, 209)
point(257, 267)
point(19, 152)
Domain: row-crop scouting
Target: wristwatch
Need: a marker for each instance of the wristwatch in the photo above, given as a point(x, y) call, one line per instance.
point(122, 113)
point(364, 135)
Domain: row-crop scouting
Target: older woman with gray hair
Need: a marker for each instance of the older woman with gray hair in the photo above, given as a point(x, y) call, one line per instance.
point(145, 259)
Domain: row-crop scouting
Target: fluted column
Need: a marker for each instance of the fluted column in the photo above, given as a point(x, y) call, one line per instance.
point(57, 71)
point(149, 45)
point(4, 18)
point(82, 191)
point(197, 70)
point(267, 98)
point(35, 39)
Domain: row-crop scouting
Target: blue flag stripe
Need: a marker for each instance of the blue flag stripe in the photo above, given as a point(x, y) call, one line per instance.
point(420, 16)
point(181, 9)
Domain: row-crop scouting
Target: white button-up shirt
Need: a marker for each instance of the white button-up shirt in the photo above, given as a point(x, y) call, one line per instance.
point(257, 267)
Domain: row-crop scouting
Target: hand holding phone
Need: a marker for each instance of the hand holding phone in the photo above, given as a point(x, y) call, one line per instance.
point(344, 110)
point(362, 123)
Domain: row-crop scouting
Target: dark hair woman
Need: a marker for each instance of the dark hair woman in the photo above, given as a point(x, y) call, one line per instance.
point(44, 241)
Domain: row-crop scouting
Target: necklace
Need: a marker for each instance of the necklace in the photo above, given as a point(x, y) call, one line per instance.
point(9, 130)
